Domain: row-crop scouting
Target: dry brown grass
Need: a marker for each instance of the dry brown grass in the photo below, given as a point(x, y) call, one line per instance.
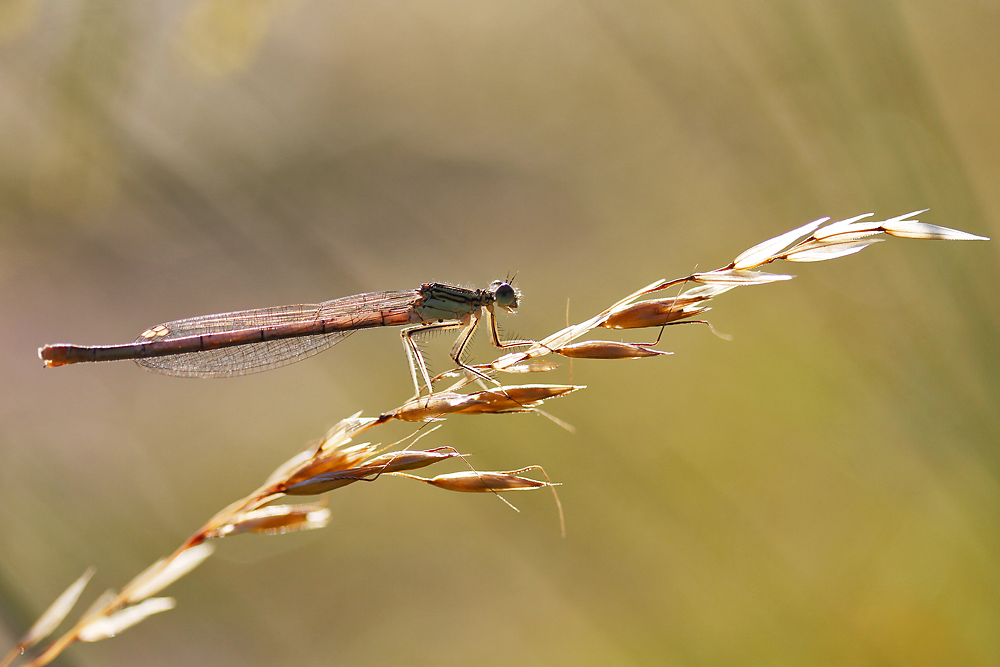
point(334, 462)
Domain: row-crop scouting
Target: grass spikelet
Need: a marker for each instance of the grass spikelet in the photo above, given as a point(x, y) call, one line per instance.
point(275, 520)
point(913, 229)
point(607, 349)
point(56, 613)
point(412, 460)
point(762, 252)
point(737, 277)
point(655, 312)
point(110, 625)
point(823, 251)
point(164, 572)
point(516, 398)
point(474, 481)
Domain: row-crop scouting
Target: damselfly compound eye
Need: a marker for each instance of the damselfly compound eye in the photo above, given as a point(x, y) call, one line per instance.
point(505, 295)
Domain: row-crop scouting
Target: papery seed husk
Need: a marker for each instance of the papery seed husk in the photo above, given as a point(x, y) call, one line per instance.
point(162, 573)
point(277, 519)
point(57, 611)
point(762, 252)
point(606, 349)
point(653, 313)
point(830, 251)
point(514, 398)
point(841, 226)
point(410, 459)
point(429, 408)
point(912, 229)
point(330, 481)
point(738, 277)
point(705, 292)
point(843, 237)
point(324, 457)
point(501, 399)
point(341, 434)
point(532, 366)
point(104, 627)
point(471, 481)
point(533, 392)
point(329, 462)
point(498, 404)
point(385, 463)
point(286, 469)
point(102, 601)
point(347, 457)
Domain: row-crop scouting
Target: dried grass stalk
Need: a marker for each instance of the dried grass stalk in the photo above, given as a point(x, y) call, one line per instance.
point(334, 462)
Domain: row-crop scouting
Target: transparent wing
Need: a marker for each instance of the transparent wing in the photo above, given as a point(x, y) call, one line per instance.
point(243, 359)
point(264, 355)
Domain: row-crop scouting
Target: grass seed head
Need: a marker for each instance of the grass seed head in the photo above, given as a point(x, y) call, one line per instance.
point(309, 467)
point(515, 398)
point(275, 520)
point(164, 572)
point(411, 460)
point(913, 229)
point(762, 253)
point(607, 349)
point(105, 627)
point(848, 226)
point(472, 481)
point(383, 464)
point(737, 277)
point(819, 251)
point(330, 481)
point(532, 366)
point(56, 612)
point(655, 313)
point(433, 407)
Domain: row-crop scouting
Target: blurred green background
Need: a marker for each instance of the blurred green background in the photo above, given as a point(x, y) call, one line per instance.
point(824, 489)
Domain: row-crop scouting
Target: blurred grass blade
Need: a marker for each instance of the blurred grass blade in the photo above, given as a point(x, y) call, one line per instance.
point(162, 573)
point(56, 612)
point(104, 627)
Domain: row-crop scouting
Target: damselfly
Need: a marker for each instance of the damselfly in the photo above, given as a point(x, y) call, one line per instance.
point(249, 341)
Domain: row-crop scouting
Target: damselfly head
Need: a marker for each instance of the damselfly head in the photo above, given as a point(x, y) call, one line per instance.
point(504, 295)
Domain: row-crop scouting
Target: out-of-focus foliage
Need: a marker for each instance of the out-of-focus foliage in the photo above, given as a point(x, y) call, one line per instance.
point(823, 489)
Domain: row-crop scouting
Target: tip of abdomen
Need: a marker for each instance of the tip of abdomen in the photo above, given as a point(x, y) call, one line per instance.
point(53, 355)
